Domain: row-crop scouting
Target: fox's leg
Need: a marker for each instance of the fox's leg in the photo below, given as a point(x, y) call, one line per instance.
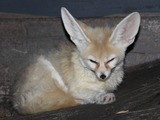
point(89, 95)
point(105, 98)
point(99, 98)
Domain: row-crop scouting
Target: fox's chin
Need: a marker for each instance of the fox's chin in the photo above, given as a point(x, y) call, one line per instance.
point(102, 80)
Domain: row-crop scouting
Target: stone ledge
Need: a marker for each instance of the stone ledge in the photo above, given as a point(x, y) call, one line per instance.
point(18, 28)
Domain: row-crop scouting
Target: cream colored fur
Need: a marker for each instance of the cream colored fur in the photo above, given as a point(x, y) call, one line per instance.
point(86, 72)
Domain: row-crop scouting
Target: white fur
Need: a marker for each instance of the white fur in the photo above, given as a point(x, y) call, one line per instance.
point(86, 86)
point(55, 75)
point(112, 63)
point(91, 64)
point(69, 72)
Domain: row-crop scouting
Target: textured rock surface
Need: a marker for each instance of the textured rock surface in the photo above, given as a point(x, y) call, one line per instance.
point(23, 36)
point(138, 98)
point(20, 34)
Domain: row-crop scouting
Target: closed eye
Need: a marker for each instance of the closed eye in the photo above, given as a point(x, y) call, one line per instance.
point(111, 60)
point(93, 61)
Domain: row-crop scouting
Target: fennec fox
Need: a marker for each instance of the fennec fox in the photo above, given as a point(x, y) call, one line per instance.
point(86, 72)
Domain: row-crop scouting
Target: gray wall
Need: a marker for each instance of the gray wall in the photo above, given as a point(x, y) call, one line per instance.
point(79, 8)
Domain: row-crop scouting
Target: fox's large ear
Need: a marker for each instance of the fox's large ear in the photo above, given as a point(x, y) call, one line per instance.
point(76, 33)
point(125, 32)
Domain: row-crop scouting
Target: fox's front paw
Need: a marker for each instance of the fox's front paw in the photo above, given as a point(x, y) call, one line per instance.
point(105, 98)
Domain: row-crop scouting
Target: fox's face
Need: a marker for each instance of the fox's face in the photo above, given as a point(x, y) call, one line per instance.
point(102, 50)
point(100, 55)
point(101, 58)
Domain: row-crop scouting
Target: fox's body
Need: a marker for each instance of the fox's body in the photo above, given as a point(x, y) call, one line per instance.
point(86, 72)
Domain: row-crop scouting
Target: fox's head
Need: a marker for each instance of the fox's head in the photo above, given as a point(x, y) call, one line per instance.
point(102, 50)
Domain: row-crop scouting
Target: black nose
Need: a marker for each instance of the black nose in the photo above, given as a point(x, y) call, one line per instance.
point(102, 76)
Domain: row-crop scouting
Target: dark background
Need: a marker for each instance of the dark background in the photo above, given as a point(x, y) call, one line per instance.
point(78, 8)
